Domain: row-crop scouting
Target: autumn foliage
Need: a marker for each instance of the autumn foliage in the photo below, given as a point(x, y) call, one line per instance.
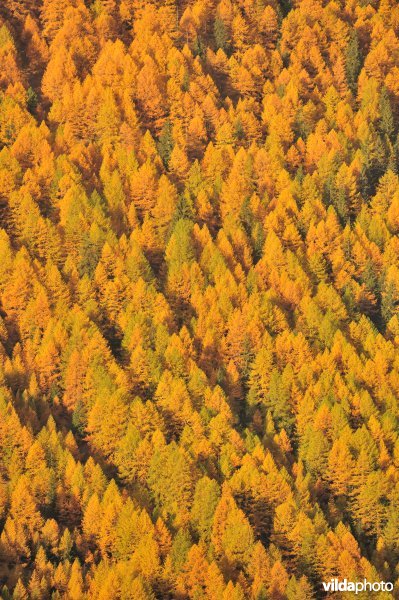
point(199, 298)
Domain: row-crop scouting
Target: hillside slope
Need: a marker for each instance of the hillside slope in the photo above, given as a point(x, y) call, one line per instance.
point(199, 295)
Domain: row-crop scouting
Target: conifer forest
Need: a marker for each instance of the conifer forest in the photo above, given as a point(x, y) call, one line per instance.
point(199, 298)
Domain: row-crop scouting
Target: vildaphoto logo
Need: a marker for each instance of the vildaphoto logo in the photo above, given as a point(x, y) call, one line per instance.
point(335, 585)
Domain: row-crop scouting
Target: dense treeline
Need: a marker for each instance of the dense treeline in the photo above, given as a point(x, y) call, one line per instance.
point(199, 296)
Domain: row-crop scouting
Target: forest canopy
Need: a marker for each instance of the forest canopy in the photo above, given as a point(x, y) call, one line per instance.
point(199, 297)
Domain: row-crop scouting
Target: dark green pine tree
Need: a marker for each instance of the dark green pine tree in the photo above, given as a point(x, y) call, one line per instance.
point(387, 122)
point(165, 143)
point(389, 301)
point(353, 61)
point(375, 160)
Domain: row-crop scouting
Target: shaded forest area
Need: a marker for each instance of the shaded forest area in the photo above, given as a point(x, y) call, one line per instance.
point(199, 296)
